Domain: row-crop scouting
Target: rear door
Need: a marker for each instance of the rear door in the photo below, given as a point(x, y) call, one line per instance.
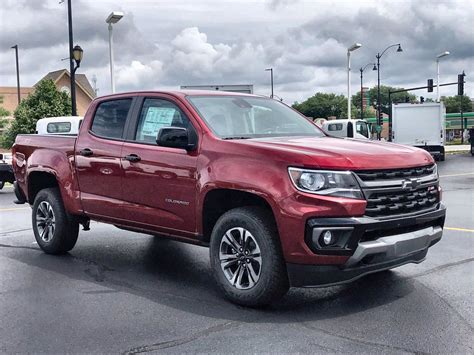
point(98, 158)
point(159, 185)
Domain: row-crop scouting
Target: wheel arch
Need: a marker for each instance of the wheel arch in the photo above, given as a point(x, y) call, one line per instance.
point(218, 201)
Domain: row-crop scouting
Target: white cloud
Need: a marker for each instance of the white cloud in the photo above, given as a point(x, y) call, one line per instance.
point(139, 76)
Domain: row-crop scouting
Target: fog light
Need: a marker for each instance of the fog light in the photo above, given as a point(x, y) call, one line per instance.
point(328, 238)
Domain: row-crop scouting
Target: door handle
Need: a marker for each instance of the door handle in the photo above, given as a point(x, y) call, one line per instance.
point(86, 152)
point(132, 158)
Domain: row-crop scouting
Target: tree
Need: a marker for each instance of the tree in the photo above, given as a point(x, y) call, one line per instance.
point(323, 105)
point(3, 113)
point(372, 96)
point(45, 101)
point(453, 103)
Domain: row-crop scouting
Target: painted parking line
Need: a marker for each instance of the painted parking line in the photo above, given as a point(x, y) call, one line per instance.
point(461, 174)
point(460, 229)
point(13, 209)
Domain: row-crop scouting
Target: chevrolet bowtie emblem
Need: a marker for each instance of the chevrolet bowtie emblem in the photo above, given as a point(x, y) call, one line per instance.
point(410, 184)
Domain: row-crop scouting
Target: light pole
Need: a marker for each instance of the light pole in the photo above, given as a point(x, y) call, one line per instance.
point(271, 79)
point(17, 73)
point(379, 106)
point(438, 57)
point(114, 17)
point(71, 60)
point(349, 50)
point(77, 53)
point(362, 88)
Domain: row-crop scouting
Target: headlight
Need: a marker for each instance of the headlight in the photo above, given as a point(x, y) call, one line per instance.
point(326, 182)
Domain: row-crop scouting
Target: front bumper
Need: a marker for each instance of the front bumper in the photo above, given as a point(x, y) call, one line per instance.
point(374, 245)
point(6, 173)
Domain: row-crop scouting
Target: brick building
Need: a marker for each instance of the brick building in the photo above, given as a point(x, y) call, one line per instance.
point(61, 78)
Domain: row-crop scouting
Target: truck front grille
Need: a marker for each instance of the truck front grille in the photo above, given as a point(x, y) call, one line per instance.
point(381, 204)
point(394, 174)
point(392, 193)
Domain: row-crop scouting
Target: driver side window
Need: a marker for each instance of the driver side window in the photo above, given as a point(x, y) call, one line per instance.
point(156, 114)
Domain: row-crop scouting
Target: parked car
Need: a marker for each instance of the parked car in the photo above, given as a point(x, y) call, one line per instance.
point(6, 170)
point(356, 128)
point(67, 125)
point(278, 201)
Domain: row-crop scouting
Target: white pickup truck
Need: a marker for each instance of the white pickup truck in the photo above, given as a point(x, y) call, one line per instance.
point(67, 125)
point(357, 128)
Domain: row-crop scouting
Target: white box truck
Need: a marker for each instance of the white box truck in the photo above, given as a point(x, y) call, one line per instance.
point(420, 125)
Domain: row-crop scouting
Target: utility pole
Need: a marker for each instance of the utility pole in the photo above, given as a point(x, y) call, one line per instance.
point(271, 79)
point(15, 47)
point(71, 61)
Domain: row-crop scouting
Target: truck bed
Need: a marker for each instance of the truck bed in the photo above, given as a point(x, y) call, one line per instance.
point(33, 152)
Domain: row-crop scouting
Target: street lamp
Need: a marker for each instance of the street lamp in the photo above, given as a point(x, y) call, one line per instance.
point(379, 106)
point(113, 18)
point(438, 57)
point(76, 57)
point(271, 79)
point(15, 47)
point(362, 88)
point(349, 50)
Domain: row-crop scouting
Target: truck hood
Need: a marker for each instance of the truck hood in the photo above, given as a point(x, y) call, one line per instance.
point(340, 153)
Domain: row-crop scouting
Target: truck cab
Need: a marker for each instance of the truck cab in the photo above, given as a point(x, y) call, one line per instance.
point(357, 128)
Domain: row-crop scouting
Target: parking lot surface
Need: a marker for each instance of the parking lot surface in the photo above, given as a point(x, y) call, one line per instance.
point(122, 292)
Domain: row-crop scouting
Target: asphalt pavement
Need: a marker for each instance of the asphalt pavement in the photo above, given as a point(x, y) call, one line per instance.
point(123, 292)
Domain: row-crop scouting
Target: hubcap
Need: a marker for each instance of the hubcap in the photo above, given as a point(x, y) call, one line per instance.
point(239, 255)
point(45, 221)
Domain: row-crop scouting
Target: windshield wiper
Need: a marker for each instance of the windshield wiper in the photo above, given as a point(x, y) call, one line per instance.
point(236, 137)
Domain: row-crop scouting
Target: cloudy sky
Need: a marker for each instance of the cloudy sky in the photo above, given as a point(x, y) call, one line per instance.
point(167, 43)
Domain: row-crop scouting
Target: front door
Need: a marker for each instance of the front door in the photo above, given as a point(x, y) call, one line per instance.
point(98, 159)
point(159, 185)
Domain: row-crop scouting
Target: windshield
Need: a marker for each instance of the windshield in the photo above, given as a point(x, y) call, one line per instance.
point(240, 117)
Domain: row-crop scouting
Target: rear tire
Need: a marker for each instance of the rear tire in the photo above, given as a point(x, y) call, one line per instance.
point(55, 231)
point(246, 257)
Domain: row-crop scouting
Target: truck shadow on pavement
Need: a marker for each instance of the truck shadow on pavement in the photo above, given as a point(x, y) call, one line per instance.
point(178, 276)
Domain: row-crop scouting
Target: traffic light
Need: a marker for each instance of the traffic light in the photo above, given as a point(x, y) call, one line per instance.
point(461, 84)
point(430, 85)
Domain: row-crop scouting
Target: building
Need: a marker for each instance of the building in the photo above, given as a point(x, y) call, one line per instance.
point(61, 78)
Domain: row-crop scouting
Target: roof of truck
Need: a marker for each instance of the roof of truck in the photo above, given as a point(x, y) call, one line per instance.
point(184, 93)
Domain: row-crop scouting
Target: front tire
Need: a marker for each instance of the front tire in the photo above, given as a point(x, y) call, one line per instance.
point(2, 184)
point(55, 231)
point(246, 257)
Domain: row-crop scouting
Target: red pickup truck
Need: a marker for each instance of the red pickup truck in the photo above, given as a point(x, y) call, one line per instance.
point(278, 201)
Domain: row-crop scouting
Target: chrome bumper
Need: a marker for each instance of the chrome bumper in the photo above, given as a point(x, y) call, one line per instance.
point(396, 246)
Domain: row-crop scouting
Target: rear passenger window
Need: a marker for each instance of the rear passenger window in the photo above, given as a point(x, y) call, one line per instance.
point(156, 114)
point(110, 117)
point(335, 127)
point(58, 127)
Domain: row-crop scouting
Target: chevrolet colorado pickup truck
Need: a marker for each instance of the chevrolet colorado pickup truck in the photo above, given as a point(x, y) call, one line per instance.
point(277, 201)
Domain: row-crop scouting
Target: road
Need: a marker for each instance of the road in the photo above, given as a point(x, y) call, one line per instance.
point(122, 292)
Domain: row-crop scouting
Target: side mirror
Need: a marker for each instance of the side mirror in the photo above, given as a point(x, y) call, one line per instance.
point(175, 137)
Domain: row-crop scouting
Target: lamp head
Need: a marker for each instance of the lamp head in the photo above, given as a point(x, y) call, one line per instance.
point(375, 67)
point(77, 53)
point(268, 69)
point(399, 49)
point(114, 17)
point(441, 55)
point(354, 47)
